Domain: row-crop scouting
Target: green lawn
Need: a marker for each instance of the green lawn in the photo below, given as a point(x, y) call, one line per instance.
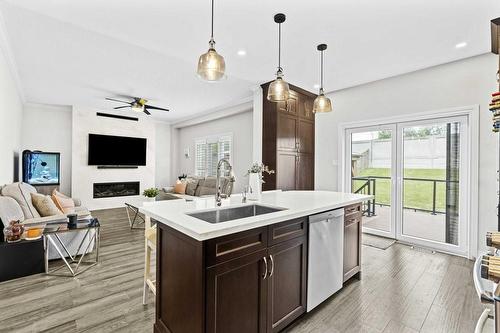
point(417, 194)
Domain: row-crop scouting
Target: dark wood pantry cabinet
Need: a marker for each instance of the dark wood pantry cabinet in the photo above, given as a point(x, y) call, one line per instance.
point(288, 140)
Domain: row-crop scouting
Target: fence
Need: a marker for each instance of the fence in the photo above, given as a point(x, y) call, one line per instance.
point(369, 186)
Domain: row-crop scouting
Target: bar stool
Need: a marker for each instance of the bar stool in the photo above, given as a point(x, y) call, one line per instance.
point(150, 246)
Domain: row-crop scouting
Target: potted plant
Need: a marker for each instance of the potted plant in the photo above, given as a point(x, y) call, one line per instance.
point(256, 178)
point(151, 193)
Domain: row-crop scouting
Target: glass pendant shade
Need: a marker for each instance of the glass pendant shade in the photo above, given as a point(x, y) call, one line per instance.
point(278, 91)
point(322, 104)
point(211, 66)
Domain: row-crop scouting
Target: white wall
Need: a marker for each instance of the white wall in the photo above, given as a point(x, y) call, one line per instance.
point(48, 128)
point(84, 176)
point(240, 125)
point(462, 83)
point(163, 168)
point(11, 114)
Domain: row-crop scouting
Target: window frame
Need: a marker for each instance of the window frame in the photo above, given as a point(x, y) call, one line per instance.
point(216, 138)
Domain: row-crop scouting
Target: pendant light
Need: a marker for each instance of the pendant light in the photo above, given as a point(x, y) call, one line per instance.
point(211, 65)
point(279, 90)
point(322, 103)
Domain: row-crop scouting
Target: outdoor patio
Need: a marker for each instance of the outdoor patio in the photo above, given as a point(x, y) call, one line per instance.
point(415, 223)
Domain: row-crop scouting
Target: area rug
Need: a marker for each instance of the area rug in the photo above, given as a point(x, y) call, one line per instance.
point(377, 242)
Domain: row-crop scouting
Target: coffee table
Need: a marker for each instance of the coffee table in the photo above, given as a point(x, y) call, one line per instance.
point(73, 263)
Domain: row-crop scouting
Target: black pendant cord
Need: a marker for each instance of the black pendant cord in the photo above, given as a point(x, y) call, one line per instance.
point(212, 27)
point(321, 75)
point(279, 48)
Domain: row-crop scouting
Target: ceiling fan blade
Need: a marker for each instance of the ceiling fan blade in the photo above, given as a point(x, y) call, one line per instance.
point(147, 112)
point(116, 100)
point(155, 108)
point(121, 107)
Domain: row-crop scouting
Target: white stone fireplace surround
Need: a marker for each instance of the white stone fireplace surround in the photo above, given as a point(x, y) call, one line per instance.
point(84, 176)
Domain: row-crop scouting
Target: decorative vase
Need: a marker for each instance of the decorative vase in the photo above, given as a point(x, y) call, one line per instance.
point(13, 232)
point(150, 199)
point(255, 183)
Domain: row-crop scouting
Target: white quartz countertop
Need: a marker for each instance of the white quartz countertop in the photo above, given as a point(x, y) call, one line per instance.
point(295, 204)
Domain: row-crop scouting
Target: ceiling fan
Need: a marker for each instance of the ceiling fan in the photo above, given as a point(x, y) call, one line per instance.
point(138, 105)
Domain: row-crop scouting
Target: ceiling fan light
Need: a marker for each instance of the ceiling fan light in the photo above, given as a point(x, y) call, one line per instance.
point(136, 107)
point(279, 90)
point(211, 66)
point(322, 104)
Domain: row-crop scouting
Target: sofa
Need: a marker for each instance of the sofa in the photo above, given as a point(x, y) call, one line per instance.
point(16, 205)
point(202, 187)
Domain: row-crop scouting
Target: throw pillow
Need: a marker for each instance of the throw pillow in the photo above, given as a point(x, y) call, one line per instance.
point(180, 187)
point(192, 184)
point(64, 203)
point(44, 205)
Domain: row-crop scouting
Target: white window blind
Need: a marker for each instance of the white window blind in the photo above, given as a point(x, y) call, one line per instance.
point(208, 152)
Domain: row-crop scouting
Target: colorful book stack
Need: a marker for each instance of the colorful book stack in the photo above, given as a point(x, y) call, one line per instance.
point(495, 109)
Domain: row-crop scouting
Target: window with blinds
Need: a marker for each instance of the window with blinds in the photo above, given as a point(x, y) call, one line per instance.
point(208, 152)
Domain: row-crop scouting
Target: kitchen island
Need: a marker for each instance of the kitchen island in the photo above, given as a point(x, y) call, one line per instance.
point(243, 267)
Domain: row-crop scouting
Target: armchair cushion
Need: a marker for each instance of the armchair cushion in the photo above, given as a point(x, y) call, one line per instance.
point(9, 211)
point(21, 192)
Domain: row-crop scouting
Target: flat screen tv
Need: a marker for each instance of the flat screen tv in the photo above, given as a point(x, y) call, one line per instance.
point(108, 150)
point(41, 168)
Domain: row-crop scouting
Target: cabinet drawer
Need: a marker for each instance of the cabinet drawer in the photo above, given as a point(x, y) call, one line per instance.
point(233, 246)
point(353, 218)
point(287, 230)
point(352, 209)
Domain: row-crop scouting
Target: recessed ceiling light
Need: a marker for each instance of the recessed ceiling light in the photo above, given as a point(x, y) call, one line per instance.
point(461, 45)
point(242, 52)
point(316, 86)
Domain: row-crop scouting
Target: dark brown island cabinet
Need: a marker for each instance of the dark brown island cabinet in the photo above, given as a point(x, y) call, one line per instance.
point(288, 140)
point(253, 281)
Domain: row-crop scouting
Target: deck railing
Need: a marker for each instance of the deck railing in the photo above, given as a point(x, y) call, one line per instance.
point(369, 186)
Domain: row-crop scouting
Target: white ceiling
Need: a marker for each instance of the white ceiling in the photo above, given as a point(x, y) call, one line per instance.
point(78, 52)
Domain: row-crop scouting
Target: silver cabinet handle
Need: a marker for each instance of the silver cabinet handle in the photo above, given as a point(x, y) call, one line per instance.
point(265, 268)
point(272, 265)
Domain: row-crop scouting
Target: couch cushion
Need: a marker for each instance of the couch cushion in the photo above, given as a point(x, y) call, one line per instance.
point(192, 184)
point(64, 203)
point(9, 211)
point(21, 192)
point(203, 190)
point(44, 205)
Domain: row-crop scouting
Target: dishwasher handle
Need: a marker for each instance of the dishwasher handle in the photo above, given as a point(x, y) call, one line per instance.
point(326, 216)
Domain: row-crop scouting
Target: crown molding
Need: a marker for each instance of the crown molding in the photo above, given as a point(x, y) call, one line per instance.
point(5, 46)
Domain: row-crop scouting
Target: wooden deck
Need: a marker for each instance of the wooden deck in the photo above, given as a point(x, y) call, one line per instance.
point(402, 290)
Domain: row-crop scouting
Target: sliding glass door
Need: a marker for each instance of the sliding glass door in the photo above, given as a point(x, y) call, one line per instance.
point(433, 183)
point(417, 172)
point(372, 171)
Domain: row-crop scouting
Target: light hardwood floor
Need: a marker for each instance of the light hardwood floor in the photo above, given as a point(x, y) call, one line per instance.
point(402, 290)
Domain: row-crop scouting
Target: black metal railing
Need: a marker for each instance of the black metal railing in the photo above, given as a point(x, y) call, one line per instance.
point(369, 187)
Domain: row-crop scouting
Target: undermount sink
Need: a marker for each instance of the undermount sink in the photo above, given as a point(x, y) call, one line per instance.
point(234, 213)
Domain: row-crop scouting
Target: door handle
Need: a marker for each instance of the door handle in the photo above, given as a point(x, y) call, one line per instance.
point(272, 265)
point(265, 268)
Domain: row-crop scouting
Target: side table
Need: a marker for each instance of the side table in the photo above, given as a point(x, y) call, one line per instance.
point(20, 259)
point(73, 262)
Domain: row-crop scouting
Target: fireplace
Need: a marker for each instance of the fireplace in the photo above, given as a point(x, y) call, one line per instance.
point(118, 189)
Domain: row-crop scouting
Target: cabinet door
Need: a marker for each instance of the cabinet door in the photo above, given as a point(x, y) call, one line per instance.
point(305, 137)
point(287, 288)
point(306, 107)
point(286, 170)
point(352, 246)
point(291, 105)
point(305, 171)
point(236, 295)
point(286, 135)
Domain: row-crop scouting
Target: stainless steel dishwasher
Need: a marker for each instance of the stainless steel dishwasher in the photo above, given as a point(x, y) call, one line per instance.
point(326, 247)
